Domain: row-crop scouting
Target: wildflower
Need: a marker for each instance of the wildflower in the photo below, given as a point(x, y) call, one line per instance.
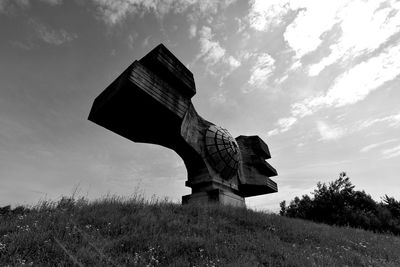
point(136, 258)
point(362, 245)
point(345, 248)
point(21, 261)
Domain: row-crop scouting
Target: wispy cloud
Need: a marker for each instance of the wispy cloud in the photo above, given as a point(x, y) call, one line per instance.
point(6, 5)
point(264, 15)
point(52, 2)
point(303, 35)
point(132, 39)
point(51, 36)
point(192, 31)
point(355, 21)
point(355, 84)
point(146, 41)
point(314, 18)
point(393, 120)
point(233, 62)
point(218, 98)
point(213, 54)
point(358, 20)
point(391, 152)
point(328, 132)
point(376, 145)
point(2, 5)
point(114, 11)
point(284, 125)
point(210, 49)
point(261, 71)
point(22, 45)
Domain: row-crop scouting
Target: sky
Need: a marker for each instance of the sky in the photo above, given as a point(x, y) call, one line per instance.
point(318, 81)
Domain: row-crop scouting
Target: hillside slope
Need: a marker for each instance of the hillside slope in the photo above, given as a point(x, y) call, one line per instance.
point(132, 232)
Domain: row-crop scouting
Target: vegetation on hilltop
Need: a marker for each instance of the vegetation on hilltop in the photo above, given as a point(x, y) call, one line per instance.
point(133, 232)
point(339, 204)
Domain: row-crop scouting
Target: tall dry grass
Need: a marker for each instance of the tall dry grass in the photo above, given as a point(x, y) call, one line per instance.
point(117, 231)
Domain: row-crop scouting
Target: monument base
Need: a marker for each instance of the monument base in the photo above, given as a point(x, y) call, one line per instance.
point(214, 196)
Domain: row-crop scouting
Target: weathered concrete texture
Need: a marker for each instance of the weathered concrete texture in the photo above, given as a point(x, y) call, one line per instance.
point(214, 196)
point(150, 102)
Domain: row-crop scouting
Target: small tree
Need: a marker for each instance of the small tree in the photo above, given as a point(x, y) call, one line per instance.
point(338, 203)
point(392, 205)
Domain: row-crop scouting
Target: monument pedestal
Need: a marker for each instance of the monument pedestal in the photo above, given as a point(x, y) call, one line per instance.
point(214, 196)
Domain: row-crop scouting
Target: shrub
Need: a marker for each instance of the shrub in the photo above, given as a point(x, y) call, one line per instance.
point(337, 203)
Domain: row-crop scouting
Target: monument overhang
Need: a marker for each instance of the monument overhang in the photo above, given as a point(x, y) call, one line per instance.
point(150, 102)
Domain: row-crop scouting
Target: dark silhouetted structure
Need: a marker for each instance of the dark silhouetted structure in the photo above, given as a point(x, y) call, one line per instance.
point(150, 103)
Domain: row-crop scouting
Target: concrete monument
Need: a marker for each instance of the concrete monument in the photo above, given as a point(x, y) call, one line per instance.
point(150, 102)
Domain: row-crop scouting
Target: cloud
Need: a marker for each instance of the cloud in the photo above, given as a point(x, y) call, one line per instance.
point(265, 14)
point(210, 50)
point(314, 18)
point(391, 153)
point(132, 39)
point(115, 11)
point(233, 62)
point(303, 35)
point(51, 36)
point(364, 78)
point(329, 133)
point(284, 125)
point(393, 120)
point(350, 29)
point(218, 99)
point(22, 45)
point(146, 41)
point(372, 146)
point(262, 70)
point(355, 84)
point(192, 31)
point(212, 53)
point(6, 5)
point(52, 2)
point(358, 20)
point(272, 132)
point(23, 3)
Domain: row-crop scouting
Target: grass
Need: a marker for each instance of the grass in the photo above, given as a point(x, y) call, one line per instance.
point(133, 232)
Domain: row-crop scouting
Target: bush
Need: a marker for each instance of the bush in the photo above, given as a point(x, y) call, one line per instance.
point(339, 204)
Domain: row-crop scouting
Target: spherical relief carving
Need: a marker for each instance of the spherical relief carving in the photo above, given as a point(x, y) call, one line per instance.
point(223, 151)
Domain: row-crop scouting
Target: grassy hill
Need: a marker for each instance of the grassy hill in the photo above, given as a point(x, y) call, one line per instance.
point(133, 232)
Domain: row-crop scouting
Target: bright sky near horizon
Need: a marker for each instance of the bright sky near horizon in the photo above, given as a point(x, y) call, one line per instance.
point(316, 80)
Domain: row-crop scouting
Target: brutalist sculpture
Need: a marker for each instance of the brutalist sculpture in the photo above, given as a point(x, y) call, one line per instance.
point(150, 103)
